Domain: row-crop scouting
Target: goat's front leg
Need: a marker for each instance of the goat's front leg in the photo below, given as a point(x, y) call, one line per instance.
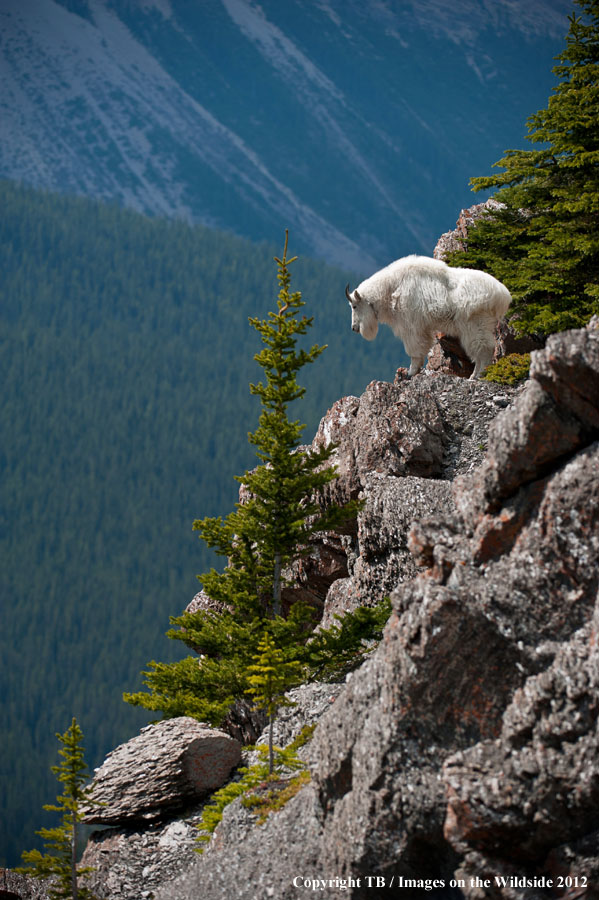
point(416, 363)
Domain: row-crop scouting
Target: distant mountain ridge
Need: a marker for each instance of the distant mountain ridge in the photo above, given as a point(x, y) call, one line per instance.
point(356, 125)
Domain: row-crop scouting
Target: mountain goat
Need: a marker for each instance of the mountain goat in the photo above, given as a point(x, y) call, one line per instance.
point(418, 296)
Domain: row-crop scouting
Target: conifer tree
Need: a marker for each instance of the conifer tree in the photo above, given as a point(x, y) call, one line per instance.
point(271, 675)
point(280, 511)
point(544, 245)
point(266, 532)
point(59, 862)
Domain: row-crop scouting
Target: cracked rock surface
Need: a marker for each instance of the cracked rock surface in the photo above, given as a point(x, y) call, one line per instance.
point(166, 767)
point(466, 745)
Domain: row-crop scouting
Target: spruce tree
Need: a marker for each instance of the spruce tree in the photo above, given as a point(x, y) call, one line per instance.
point(59, 862)
point(260, 538)
point(270, 676)
point(544, 244)
point(280, 512)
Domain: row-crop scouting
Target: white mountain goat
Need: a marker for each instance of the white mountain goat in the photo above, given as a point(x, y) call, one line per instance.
point(418, 296)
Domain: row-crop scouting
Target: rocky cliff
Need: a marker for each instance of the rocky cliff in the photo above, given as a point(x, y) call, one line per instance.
point(461, 760)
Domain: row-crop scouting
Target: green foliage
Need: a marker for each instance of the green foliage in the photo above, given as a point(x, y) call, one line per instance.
point(59, 863)
point(249, 647)
point(205, 688)
point(509, 369)
point(202, 687)
point(544, 245)
point(125, 358)
point(271, 675)
point(334, 651)
point(265, 800)
point(281, 510)
point(262, 773)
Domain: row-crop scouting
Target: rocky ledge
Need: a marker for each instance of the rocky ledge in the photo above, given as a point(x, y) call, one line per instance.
point(464, 751)
point(462, 756)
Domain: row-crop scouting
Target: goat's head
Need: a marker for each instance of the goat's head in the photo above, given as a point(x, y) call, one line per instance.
point(363, 316)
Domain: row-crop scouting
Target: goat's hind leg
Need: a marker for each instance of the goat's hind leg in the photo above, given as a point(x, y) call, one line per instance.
point(482, 358)
point(479, 344)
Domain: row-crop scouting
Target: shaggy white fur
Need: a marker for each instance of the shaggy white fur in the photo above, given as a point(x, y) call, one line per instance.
point(418, 296)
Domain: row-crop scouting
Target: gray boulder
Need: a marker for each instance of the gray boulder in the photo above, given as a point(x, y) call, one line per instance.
point(168, 766)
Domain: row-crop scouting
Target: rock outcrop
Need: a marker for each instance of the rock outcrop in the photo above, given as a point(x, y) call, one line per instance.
point(516, 803)
point(462, 756)
point(132, 860)
point(398, 448)
point(165, 768)
point(14, 886)
point(464, 751)
point(447, 355)
point(457, 240)
point(130, 863)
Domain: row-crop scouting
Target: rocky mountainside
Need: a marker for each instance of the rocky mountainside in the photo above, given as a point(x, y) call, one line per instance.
point(355, 125)
point(461, 759)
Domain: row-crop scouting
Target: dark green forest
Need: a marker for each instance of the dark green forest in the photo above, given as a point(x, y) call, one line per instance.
point(126, 357)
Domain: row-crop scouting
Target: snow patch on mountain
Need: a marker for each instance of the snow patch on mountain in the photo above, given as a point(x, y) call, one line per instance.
point(162, 6)
point(355, 125)
point(277, 48)
point(328, 104)
point(115, 96)
point(465, 21)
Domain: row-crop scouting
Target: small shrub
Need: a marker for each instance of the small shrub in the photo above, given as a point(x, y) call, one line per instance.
point(258, 776)
point(509, 369)
point(263, 803)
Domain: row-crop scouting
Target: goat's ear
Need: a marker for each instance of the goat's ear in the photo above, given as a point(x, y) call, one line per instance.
point(357, 296)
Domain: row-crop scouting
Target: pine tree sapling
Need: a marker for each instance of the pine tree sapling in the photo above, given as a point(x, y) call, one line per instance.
point(280, 513)
point(59, 862)
point(286, 761)
point(271, 675)
point(544, 243)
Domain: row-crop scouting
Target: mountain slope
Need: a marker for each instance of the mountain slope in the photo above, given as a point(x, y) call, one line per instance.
point(355, 125)
point(125, 360)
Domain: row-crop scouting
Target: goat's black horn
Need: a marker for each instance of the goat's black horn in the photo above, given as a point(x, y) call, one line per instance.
point(347, 293)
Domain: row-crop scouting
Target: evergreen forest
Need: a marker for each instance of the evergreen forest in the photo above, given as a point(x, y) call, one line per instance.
point(126, 356)
point(543, 241)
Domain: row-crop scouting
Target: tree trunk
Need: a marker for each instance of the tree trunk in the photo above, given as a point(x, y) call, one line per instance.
point(271, 763)
point(74, 892)
point(276, 587)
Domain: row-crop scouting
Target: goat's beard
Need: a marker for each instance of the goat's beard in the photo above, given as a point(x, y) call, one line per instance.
point(369, 325)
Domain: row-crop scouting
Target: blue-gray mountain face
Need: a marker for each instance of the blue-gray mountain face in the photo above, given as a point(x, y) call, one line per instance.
point(355, 123)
